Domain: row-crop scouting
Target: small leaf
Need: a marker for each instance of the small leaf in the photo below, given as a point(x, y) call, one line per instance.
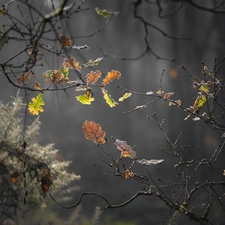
point(37, 86)
point(64, 41)
point(199, 102)
point(150, 162)
point(178, 102)
point(126, 150)
point(114, 74)
point(224, 172)
point(168, 95)
point(3, 12)
point(64, 71)
point(93, 77)
point(35, 106)
point(71, 64)
point(204, 88)
point(14, 177)
point(80, 47)
point(103, 12)
point(85, 99)
point(125, 96)
point(94, 132)
point(93, 63)
point(109, 100)
point(46, 180)
point(24, 77)
point(171, 103)
point(3, 41)
point(127, 174)
point(159, 92)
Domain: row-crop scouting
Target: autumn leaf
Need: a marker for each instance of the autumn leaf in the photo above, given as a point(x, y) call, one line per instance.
point(224, 172)
point(204, 88)
point(168, 95)
point(85, 99)
point(57, 77)
point(150, 161)
point(46, 180)
point(159, 92)
point(64, 41)
point(14, 177)
point(35, 106)
point(64, 71)
point(80, 47)
point(94, 132)
point(127, 174)
point(93, 63)
point(109, 100)
point(126, 150)
point(103, 12)
point(37, 86)
point(93, 77)
point(71, 64)
point(24, 77)
point(114, 74)
point(125, 96)
point(199, 102)
point(48, 75)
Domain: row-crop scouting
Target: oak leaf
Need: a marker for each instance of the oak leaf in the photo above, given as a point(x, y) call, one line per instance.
point(37, 86)
point(93, 77)
point(125, 96)
point(127, 174)
point(35, 106)
point(94, 132)
point(85, 99)
point(71, 64)
point(126, 150)
point(114, 74)
point(65, 41)
point(24, 77)
point(109, 100)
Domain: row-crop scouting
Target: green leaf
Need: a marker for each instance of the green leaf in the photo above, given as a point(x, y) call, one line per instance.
point(64, 71)
point(125, 96)
point(85, 99)
point(109, 100)
point(103, 12)
point(35, 106)
point(3, 12)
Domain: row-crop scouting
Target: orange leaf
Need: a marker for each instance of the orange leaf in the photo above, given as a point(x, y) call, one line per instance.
point(57, 77)
point(127, 174)
point(159, 92)
point(94, 132)
point(71, 64)
point(46, 180)
point(168, 95)
point(14, 177)
point(24, 77)
point(126, 150)
point(92, 77)
point(114, 74)
point(37, 86)
point(64, 41)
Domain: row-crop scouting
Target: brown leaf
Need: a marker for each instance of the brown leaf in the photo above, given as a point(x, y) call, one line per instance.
point(37, 86)
point(14, 177)
point(94, 132)
point(46, 180)
point(57, 77)
point(127, 174)
point(71, 64)
point(168, 95)
point(126, 150)
point(159, 92)
point(24, 77)
point(64, 41)
point(92, 77)
point(114, 74)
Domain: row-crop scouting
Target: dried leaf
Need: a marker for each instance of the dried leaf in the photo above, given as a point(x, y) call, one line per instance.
point(24, 77)
point(125, 96)
point(127, 174)
point(37, 86)
point(150, 161)
point(126, 150)
point(94, 132)
point(80, 47)
point(159, 92)
point(46, 180)
point(171, 103)
point(178, 102)
point(93, 63)
point(168, 95)
point(35, 106)
point(64, 41)
point(71, 64)
point(114, 74)
point(93, 77)
point(109, 100)
point(14, 177)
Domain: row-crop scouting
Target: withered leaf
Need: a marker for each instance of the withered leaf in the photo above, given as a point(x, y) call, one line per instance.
point(65, 41)
point(127, 174)
point(24, 77)
point(149, 162)
point(71, 64)
point(94, 132)
point(93, 76)
point(114, 74)
point(14, 177)
point(126, 150)
point(46, 180)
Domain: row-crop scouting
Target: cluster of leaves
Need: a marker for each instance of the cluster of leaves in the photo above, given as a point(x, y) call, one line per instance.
point(94, 132)
point(27, 169)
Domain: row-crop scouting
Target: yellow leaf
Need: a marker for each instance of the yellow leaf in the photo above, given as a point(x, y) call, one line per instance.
point(109, 100)
point(35, 106)
point(37, 86)
point(125, 96)
point(159, 92)
point(85, 99)
point(204, 88)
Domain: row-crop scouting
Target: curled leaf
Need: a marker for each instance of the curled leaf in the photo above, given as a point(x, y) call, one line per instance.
point(125, 96)
point(71, 64)
point(93, 63)
point(199, 102)
point(103, 12)
point(150, 161)
point(109, 100)
point(64, 41)
point(24, 77)
point(159, 92)
point(126, 150)
point(46, 180)
point(127, 174)
point(35, 106)
point(14, 177)
point(37, 86)
point(94, 132)
point(168, 95)
point(114, 74)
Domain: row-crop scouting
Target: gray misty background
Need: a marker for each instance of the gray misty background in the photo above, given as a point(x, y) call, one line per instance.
point(124, 37)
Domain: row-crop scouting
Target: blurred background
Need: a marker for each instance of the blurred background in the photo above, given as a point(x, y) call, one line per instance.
point(124, 37)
